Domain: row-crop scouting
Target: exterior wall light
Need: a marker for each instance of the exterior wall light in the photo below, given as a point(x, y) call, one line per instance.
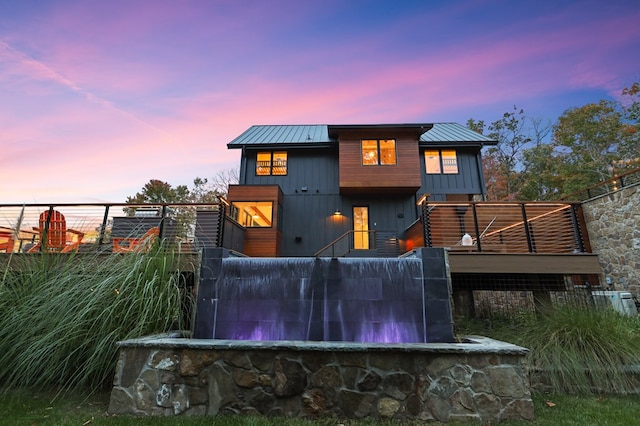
point(337, 213)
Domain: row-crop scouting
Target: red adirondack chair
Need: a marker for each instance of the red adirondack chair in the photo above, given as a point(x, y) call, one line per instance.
point(136, 245)
point(6, 241)
point(54, 235)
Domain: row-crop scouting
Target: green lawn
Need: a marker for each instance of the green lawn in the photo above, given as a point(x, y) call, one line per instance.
point(23, 407)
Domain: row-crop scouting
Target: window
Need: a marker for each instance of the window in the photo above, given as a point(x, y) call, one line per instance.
point(378, 152)
point(271, 163)
point(441, 161)
point(256, 214)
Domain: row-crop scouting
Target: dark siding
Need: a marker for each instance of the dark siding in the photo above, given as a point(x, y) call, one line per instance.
point(317, 169)
point(466, 181)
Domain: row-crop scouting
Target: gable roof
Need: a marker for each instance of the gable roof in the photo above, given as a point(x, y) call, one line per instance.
point(319, 135)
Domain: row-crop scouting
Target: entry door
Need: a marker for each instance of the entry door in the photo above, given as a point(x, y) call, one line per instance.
point(360, 228)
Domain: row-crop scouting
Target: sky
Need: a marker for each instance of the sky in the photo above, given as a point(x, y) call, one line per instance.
point(98, 97)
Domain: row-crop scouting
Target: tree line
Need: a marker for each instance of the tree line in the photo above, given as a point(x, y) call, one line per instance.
point(534, 160)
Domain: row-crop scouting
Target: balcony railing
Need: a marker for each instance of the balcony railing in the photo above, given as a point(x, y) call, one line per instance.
point(101, 227)
point(553, 228)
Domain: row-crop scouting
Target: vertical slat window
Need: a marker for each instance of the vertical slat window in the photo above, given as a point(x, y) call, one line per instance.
point(369, 153)
point(387, 152)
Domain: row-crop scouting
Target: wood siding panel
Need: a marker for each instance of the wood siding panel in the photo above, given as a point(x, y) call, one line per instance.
point(404, 177)
point(261, 242)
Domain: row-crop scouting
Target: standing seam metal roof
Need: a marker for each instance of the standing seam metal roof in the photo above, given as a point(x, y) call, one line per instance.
point(319, 134)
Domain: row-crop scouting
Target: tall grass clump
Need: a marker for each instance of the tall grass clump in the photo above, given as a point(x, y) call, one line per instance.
point(583, 350)
point(62, 314)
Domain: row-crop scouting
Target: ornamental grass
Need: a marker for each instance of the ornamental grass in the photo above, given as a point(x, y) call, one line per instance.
point(62, 314)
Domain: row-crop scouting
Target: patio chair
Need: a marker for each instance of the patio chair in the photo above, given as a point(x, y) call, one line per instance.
point(136, 245)
point(6, 242)
point(54, 234)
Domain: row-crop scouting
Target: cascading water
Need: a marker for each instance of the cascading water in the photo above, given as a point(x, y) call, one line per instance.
point(377, 300)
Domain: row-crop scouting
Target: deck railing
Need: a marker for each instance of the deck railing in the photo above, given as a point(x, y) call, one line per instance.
point(99, 224)
point(553, 228)
point(608, 186)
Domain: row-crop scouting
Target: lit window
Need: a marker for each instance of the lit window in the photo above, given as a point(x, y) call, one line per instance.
point(378, 152)
point(441, 161)
point(271, 163)
point(252, 213)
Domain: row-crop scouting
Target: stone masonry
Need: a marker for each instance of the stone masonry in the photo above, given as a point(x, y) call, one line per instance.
point(613, 223)
point(482, 380)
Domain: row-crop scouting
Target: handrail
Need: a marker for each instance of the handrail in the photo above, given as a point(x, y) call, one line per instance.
point(618, 182)
point(335, 242)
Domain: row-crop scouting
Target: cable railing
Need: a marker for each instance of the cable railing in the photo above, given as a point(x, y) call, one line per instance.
point(553, 228)
point(608, 186)
point(66, 227)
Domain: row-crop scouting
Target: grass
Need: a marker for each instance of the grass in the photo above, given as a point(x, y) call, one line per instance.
point(25, 407)
point(61, 315)
point(580, 350)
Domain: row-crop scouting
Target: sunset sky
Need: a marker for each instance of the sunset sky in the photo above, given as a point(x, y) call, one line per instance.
point(97, 97)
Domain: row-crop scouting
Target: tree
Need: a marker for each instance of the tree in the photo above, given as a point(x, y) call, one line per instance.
point(156, 191)
point(593, 140)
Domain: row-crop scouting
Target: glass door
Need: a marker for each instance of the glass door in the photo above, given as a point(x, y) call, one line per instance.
point(361, 228)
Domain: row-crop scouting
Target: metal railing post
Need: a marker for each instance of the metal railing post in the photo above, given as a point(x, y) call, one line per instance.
point(527, 229)
point(426, 225)
point(103, 227)
point(476, 227)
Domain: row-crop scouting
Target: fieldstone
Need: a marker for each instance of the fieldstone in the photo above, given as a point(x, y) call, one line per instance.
point(164, 360)
point(398, 385)
point(439, 407)
point(461, 374)
point(192, 362)
point(150, 377)
point(316, 360)
point(221, 389)
point(163, 396)
point(289, 378)
point(261, 401)
point(237, 359)
point(180, 399)
point(244, 378)
point(505, 381)
point(443, 387)
point(480, 382)
point(314, 402)
point(413, 405)
point(130, 363)
point(328, 376)
point(354, 360)
point(369, 382)
point(120, 402)
point(518, 409)
point(488, 405)
point(355, 404)
point(462, 402)
point(388, 407)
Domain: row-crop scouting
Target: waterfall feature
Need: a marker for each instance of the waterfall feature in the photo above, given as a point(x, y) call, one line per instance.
point(377, 300)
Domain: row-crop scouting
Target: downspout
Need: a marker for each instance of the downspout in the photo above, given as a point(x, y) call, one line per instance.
point(483, 186)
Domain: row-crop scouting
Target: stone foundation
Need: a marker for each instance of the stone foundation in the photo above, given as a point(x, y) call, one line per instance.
point(482, 379)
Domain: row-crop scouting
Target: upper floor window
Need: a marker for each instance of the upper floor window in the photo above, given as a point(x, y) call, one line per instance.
point(271, 163)
point(378, 152)
point(442, 161)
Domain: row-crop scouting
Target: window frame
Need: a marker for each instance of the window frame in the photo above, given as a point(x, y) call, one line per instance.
point(443, 169)
point(234, 213)
point(274, 165)
point(377, 154)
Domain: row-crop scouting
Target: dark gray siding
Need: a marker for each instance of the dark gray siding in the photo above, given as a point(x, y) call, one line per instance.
point(315, 169)
point(466, 181)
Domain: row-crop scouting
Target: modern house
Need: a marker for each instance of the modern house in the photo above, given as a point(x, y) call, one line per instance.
point(381, 190)
point(303, 187)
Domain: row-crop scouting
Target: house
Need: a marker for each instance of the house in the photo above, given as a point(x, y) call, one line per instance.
point(303, 188)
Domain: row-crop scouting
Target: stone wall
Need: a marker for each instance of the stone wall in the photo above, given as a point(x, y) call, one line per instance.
point(613, 223)
point(483, 380)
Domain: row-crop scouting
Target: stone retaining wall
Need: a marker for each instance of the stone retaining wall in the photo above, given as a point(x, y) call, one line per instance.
point(613, 223)
point(482, 380)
